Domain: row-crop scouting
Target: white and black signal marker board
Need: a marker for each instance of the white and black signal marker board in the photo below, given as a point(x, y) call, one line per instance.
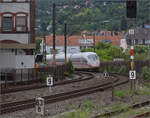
point(40, 106)
point(49, 81)
point(132, 74)
point(106, 75)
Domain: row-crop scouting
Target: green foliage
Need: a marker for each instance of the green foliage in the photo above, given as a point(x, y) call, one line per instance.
point(88, 106)
point(118, 106)
point(91, 17)
point(87, 50)
point(140, 52)
point(121, 93)
point(124, 24)
point(43, 78)
point(44, 62)
point(143, 91)
point(71, 68)
point(37, 43)
point(123, 70)
point(145, 73)
point(114, 69)
point(141, 49)
point(107, 52)
point(51, 51)
point(84, 112)
point(78, 114)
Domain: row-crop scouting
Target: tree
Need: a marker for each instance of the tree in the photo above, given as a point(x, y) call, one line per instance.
point(124, 24)
point(38, 47)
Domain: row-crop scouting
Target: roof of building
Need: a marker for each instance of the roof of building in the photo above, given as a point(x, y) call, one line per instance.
point(74, 40)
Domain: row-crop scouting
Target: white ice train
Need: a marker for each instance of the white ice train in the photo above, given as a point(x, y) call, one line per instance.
point(82, 60)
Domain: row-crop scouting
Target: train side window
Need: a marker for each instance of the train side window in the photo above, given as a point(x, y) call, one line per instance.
point(84, 60)
point(75, 60)
point(59, 60)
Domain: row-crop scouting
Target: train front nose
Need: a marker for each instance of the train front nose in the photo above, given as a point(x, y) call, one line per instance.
point(95, 64)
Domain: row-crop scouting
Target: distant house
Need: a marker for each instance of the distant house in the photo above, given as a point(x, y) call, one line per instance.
point(17, 20)
point(141, 36)
point(76, 43)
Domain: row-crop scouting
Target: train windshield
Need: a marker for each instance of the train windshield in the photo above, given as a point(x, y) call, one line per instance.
point(93, 57)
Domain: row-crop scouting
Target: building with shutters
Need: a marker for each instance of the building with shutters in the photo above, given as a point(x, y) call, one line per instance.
point(141, 36)
point(17, 36)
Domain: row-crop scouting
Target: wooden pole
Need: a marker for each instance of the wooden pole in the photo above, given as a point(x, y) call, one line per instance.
point(54, 35)
point(112, 88)
point(94, 41)
point(65, 35)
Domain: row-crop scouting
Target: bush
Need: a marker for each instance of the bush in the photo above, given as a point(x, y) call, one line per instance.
point(145, 73)
point(71, 68)
point(88, 106)
point(123, 70)
point(43, 78)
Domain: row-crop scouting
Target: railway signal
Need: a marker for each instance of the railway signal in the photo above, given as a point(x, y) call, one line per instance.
point(132, 52)
point(40, 106)
point(131, 9)
point(132, 73)
point(106, 75)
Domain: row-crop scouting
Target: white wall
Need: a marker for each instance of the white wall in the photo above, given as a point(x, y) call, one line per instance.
point(11, 61)
point(21, 38)
point(7, 61)
point(25, 61)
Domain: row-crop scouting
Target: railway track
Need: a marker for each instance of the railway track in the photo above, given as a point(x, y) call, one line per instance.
point(24, 85)
point(30, 103)
point(144, 115)
point(135, 106)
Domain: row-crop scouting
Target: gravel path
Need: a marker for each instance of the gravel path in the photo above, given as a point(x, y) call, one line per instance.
point(18, 96)
point(98, 99)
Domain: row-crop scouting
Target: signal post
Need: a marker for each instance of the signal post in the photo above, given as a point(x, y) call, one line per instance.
point(131, 11)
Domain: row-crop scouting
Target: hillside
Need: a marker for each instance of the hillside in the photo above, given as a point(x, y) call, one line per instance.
point(90, 15)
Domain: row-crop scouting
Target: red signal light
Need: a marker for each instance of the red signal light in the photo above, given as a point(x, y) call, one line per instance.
point(131, 3)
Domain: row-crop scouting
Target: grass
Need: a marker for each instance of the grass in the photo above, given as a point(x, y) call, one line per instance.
point(83, 112)
point(118, 106)
point(86, 108)
point(121, 93)
point(143, 91)
point(131, 113)
point(70, 76)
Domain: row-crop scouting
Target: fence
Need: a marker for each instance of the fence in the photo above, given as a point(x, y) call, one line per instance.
point(27, 76)
point(138, 64)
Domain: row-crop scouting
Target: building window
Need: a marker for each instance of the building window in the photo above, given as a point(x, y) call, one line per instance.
point(7, 23)
point(147, 41)
point(7, 0)
point(21, 23)
point(140, 42)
